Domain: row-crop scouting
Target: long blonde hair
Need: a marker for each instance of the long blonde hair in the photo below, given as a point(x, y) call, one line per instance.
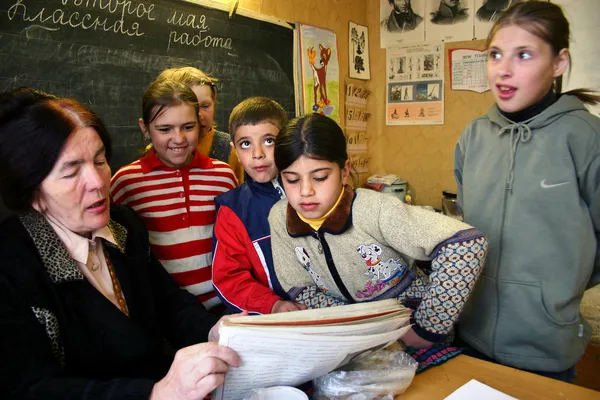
point(191, 77)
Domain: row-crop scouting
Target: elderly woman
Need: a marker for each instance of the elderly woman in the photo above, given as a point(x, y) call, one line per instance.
point(86, 311)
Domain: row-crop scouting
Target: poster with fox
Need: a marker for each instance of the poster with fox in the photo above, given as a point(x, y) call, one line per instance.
point(319, 71)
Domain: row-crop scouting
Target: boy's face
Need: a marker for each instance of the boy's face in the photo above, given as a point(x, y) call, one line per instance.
point(255, 148)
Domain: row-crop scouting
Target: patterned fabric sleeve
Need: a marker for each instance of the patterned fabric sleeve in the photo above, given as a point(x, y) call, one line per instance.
point(312, 297)
point(455, 269)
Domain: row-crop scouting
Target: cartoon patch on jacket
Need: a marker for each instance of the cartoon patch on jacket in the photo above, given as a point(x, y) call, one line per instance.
point(304, 259)
point(381, 272)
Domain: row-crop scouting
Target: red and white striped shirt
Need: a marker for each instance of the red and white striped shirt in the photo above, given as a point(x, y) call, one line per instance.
point(178, 208)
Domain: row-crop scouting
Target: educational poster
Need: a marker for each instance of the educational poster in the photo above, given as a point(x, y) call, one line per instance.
point(449, 20)
point(415, 84)
point(401, 22)
point(358, 51)
point(356, 127)
point(487, 12)
point(319, 71)
point(468, 70)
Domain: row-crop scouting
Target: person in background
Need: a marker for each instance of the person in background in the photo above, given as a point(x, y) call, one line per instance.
point(172, 187)
point(334, 245)
point(212, 143)
point(528, 175)
point(242, 263)
point(86, 310)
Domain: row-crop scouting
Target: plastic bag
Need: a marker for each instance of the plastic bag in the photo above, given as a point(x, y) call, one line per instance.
point(378, 375)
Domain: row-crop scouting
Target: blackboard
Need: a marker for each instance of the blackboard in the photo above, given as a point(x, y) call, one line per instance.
point(105, 53)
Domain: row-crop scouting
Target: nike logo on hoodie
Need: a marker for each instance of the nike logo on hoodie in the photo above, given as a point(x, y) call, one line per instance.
point(545, 185)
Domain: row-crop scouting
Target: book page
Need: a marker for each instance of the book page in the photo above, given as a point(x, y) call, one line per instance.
point(380, 325)
point(346, 313)
point(271, 359)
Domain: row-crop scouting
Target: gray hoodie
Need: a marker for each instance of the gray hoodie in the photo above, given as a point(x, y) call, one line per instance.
point(533, 189)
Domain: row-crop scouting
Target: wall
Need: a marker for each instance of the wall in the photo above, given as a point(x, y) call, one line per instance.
point(590, 309)
point(423, 155)
point(330, 14)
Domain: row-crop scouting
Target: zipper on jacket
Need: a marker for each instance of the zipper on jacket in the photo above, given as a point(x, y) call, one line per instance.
point(332, 269)
point(497, 284)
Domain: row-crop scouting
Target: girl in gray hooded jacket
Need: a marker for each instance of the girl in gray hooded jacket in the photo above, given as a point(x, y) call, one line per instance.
point(528, 175)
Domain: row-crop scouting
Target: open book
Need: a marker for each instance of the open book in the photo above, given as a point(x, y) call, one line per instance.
point(296, 347)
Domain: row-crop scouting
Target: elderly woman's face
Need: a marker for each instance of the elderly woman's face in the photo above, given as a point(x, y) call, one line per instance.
point(76, 192)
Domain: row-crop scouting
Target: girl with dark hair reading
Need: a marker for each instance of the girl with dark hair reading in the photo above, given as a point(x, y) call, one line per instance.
point(335, 245)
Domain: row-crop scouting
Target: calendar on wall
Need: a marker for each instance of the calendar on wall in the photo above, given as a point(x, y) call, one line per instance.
point(468, 70)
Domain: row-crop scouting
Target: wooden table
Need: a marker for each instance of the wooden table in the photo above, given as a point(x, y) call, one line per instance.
point(438, 382)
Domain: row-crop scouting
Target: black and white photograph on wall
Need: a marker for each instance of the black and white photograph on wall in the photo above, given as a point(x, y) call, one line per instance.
point(401, 21)
point(449, 20)
point(487, 12)
point(358, 51)
point(490, 10)
point(450, 12)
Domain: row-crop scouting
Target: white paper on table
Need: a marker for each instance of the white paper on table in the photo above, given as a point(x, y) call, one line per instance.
point(475, 390)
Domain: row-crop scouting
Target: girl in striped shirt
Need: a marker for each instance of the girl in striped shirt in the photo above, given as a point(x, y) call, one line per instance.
point(172, 187)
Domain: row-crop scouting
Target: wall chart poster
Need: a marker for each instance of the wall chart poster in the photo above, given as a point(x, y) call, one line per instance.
point(319, 71)
point(468, 70)
point(415, 84)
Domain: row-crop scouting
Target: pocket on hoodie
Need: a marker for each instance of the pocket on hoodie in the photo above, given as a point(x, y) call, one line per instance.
point(526, 329)
point(478, 319)
point(569, 315)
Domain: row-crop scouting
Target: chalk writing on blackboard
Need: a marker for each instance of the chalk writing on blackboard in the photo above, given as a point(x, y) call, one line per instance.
point(49, 19)
point(199, 39)
point(105, 52)
point(86, 20)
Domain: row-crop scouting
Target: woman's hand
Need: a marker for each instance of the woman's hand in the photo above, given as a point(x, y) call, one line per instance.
point(410, 338)
point(213, 335)
point(195, 372)
point(285, 306)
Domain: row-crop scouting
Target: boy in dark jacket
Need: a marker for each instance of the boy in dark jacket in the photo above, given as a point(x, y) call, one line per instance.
point(242, 263)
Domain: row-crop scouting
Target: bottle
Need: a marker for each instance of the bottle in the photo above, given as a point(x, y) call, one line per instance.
point(450, 205)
